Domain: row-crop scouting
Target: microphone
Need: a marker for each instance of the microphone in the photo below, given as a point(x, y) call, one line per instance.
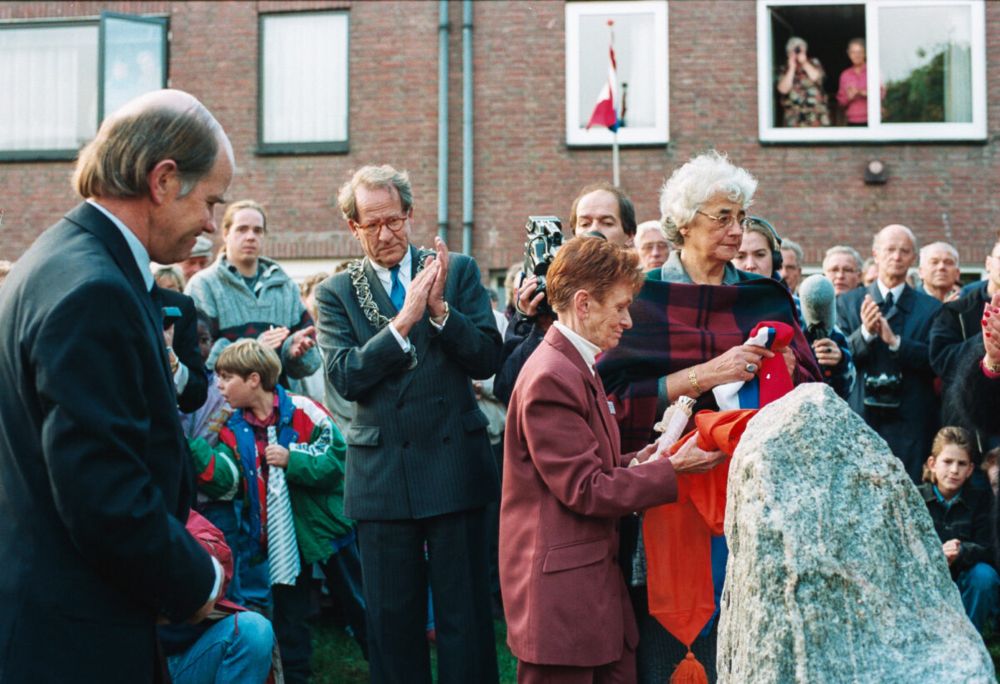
point(819, 308)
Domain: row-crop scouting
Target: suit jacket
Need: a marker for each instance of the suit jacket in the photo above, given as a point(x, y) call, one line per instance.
point(95, 481)
point(186, 348)
point(417, 446)
point(565, 485)
point(909, 429)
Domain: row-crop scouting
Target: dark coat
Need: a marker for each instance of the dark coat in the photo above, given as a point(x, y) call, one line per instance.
point(910, 428)
point(957, 335)
point(967, 520)
point(95, 481)
point(186, 348)
point(418, 445)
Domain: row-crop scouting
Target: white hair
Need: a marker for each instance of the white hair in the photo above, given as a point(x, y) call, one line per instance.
point(927, 249)
point(843, 249)
point(909, 233)
point(697, 182)
point(649, 225)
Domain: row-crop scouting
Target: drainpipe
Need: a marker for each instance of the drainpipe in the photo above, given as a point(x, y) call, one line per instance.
point(444, 28)
point(467, 127)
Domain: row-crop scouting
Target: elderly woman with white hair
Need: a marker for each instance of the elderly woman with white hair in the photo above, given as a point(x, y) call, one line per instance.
point(800, 84)
point(704, 206)
point(691, 347)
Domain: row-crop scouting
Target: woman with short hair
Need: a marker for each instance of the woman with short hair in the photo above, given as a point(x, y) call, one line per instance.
point(566, 483)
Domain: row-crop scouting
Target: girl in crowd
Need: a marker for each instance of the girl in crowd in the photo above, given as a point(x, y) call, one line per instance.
point(961, 517)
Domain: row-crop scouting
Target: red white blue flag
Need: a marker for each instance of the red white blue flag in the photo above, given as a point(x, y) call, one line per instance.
point(608, 110)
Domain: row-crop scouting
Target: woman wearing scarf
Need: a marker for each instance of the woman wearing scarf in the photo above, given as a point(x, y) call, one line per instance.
point(566, 484)
point(689, 337)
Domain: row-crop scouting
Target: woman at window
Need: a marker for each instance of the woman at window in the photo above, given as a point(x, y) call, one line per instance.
point(801, 87)
point(852, 94)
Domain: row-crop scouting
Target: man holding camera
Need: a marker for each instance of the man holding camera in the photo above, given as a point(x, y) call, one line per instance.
point(600, 210)
point(888, 325)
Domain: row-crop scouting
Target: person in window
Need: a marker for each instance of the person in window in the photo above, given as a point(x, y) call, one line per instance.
point(801, 87)
point(852, 94)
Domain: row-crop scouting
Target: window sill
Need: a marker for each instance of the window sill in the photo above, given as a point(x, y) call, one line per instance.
point(286, 149)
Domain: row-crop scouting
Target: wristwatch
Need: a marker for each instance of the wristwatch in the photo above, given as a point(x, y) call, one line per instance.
point(442, 317)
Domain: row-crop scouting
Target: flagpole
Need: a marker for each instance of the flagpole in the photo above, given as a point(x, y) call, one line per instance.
point(614, 158)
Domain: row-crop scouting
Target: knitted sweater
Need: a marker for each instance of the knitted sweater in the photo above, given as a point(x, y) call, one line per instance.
point(235, 311)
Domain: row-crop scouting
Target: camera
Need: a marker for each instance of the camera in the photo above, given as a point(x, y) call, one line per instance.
point(883, 391)
point(798, 49)
point(545, 237)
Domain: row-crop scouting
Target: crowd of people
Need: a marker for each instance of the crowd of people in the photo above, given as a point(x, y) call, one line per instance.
point(195, 443)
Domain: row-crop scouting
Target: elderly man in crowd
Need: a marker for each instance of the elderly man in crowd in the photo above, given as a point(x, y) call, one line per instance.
point(404, 331)
point(245, 294)
point(600, 210)
point(842, 265)
point(888, 325)
point(201, 255)
point(652, 245)
point(791, 264)
point(939, 271)
point(96, 484)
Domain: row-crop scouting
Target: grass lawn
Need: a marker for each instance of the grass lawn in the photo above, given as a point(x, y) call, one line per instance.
point(337, 659)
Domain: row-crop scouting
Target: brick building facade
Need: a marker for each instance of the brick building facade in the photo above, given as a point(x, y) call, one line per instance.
point(814, 192)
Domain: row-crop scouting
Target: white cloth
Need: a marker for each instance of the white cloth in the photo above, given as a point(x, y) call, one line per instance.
point(588, 350)
point(282, 548)
point(727, 395)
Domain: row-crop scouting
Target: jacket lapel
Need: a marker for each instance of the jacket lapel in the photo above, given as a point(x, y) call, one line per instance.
point(96, 223)
point(902, 307)
point(598, 396)
point(379, 294)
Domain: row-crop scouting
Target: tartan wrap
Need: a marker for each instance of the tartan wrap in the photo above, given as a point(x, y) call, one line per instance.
point(676, 326)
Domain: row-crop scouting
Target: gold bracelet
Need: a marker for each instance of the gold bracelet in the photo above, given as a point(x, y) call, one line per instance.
point(990, 366)
point(693, 379)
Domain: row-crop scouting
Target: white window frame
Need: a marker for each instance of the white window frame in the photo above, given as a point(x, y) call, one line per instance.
point(874, 132)
point(659, 133)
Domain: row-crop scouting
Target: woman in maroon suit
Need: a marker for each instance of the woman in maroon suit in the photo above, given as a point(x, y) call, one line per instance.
point(565, 482)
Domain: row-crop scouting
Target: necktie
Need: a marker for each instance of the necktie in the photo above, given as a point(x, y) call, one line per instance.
point(887, 303)
point(282, 549)
point(398, 293)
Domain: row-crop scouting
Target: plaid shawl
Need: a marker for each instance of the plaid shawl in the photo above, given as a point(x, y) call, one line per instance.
point(675, 326)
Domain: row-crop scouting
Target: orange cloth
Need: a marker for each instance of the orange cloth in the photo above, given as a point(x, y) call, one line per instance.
point(678, 536)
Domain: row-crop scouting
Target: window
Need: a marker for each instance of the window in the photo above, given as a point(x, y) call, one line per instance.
point(67, 74)
point(928, 56)
point(640, 44)
point(303, 83)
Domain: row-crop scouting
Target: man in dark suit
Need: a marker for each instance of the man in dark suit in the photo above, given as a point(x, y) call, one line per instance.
point(403, 330)
point(186, 365)
point(95, 484)
point(888, 325)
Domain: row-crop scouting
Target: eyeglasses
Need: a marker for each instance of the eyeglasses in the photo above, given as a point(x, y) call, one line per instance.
point(393, 223)
point(727, 221)
point(847, 270)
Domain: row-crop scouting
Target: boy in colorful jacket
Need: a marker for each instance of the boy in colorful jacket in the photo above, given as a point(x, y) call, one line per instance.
point(275, 437)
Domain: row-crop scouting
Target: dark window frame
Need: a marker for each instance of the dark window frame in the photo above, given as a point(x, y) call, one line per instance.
point(263, 148)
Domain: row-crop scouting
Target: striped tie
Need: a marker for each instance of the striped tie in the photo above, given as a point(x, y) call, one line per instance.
point(282, 550)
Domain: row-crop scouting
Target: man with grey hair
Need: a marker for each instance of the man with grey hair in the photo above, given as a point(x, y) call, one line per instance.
point(791, 264)
point(96, 483)
point(652, 244)
point(404, 332)
point(888, 326)
point(939, 272)
point(842, 266)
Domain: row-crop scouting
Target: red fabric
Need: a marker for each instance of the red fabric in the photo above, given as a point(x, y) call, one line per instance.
point(678, 536)
point(775, 382)
point(214, 542)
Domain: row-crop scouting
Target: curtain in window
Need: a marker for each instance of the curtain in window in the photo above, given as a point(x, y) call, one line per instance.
point(48, 76)
point(304, 78)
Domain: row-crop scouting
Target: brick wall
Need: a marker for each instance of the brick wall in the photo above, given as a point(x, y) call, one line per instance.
point(522, 165)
